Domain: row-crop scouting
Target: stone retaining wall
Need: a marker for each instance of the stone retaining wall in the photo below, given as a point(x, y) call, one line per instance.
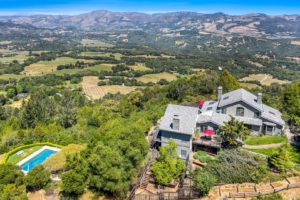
point(253, 190)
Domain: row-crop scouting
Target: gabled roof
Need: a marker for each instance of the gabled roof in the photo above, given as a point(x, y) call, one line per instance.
point(272, 115)
point(187, 116)
point(240, 95)
point(268, 113)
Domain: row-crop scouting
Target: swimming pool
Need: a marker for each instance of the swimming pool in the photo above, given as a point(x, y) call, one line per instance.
point(37, 158)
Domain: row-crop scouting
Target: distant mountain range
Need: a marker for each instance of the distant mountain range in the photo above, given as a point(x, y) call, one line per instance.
point(168, 24)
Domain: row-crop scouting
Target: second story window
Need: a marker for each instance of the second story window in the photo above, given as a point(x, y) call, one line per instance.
point(256, 114)
point(240, 111)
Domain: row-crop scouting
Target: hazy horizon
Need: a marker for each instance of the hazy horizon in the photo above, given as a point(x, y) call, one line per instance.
point(74, 13)
point(74, 7)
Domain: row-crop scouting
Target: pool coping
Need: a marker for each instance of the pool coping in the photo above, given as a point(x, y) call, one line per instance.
point(36, 153)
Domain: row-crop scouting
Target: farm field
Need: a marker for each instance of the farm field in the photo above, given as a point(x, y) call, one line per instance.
point(95, 43)
point(295, 42)
point(117, 56)
point(19, 56)
point(156, 77)
point(249, 85)
point(90, 88)
point(101, 67)
point(297, 59)
point(140, 67)
point(11, 76)
point(264, 79)
point(43, 67)
point(5, 42)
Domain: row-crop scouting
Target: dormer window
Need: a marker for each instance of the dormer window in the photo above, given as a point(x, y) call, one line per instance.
point(211, 103)
point(225, 98)
point(240, 111)
point(271, 113)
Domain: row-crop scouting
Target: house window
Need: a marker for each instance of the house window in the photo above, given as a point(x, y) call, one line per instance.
point(240, 111)
point(183, 153)
point(211, 103)
point(269, 129)
point(209, 108)
point(256, 114)
point(224, 110)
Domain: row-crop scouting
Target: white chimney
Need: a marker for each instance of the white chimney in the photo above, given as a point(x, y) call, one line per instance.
point(259, 98)
point(176, 122)
point(220, 92)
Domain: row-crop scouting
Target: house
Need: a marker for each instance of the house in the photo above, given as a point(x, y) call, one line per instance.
point(181, 123)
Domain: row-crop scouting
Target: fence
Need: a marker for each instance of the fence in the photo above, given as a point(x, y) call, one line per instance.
point(253, 190)
point(181, 194)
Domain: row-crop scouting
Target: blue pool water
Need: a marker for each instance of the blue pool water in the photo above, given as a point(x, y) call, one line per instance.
point(38, 159)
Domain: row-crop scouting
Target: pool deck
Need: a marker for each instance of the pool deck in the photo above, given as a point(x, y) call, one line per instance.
point(37, 153)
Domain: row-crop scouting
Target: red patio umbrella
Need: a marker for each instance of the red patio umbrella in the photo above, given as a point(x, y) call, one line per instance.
point(200, 103)
point(209, 132)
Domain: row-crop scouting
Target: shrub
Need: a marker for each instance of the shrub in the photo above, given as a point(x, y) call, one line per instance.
point(169, 166)
point(281, 161)
point(204, 181)
point(73, 183)
point(238, 166)
point(202, 156)
point(10, 174)
point(13, 192)
point(37, 178)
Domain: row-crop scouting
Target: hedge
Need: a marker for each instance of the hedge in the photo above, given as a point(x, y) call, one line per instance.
point(15, 150)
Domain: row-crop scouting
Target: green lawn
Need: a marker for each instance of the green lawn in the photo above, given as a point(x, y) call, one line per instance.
point(266, 139)
point(294, 152)
point(57, 161)
point(14, 159)
point(267, 152)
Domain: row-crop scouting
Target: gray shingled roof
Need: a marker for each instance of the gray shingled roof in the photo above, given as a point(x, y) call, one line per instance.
point(240, 95)
point(219, 119)
point(268, 113)
point(187, 115)
point(272, 115)
point(209, 105)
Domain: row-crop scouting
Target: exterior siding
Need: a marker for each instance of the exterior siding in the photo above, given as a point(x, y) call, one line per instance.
point(183, 141)
point(248, 111)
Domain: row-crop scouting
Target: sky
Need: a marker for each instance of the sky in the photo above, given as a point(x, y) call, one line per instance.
point(72, 7)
